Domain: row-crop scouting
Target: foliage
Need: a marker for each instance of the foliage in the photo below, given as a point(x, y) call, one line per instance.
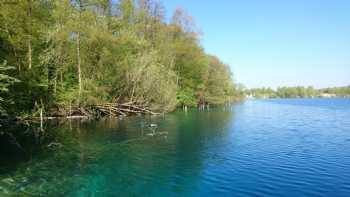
point(90, 52)
point(5, 82)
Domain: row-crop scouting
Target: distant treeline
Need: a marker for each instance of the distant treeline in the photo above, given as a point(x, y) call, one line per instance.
point(298, 92)
point(59, 55)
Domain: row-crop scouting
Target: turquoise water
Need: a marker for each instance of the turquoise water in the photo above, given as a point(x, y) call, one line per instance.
point(292, 147)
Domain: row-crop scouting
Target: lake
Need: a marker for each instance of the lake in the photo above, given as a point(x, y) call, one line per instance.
point(290, 147)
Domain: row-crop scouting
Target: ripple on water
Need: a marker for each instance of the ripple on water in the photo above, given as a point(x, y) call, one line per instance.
point(259, 148)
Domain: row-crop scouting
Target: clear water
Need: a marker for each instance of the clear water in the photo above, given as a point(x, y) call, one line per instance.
point(295, 147)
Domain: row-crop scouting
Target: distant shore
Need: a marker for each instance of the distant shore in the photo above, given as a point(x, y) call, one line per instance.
point(299, 92)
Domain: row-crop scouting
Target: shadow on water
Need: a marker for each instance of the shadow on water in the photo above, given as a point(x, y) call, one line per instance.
point(19, 143)
point(110, 156)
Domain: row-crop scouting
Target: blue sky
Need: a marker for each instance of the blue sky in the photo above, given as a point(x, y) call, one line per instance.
point(271, 43)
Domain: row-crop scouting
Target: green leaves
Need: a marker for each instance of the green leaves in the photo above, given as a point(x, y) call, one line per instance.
point(5, 82)
point(186, 97)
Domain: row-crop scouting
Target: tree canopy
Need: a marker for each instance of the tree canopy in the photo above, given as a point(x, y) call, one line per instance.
point(90, 52)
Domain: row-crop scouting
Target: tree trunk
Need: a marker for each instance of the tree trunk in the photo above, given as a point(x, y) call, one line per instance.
point(61, 74)
point(78, 53)
point(13, 48)
point(55, 83)
point(29, 34)
point(79, 66)
point(41, 119)
point(29, 53)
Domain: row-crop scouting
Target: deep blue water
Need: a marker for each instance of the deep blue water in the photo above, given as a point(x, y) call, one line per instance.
point(291, 147)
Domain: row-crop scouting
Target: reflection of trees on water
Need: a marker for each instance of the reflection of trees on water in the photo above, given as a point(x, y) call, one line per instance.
point(20, 143)
point(97, 158)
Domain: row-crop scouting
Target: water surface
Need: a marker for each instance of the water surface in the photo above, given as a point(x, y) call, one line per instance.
point(292, 147)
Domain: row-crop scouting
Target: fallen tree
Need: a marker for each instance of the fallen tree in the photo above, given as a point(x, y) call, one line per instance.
point(100, 110)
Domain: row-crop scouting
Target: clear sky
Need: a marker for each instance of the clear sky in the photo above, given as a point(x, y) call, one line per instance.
point(271, 43)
